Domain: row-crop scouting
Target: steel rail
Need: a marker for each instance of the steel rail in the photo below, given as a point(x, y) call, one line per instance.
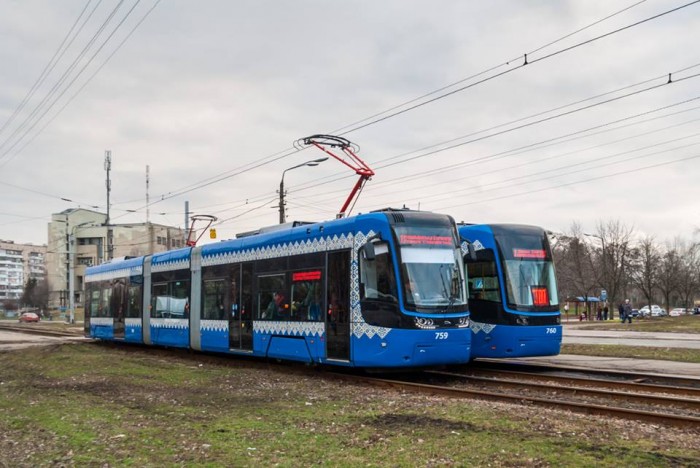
point(37, 331)
point(586, 408)
point(568, 380)
point(630, 375)
point(692, 404)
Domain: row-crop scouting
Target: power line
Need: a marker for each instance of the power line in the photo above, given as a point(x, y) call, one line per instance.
point(523, 64)
point(236, 172)
point(86, 82)
point(578, 181)
point(439, 150)
point(495, 67)
point(60, 81)
point(48, 68)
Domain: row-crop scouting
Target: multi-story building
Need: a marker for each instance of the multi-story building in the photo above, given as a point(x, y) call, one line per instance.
point(83, 235)
point(19, 263)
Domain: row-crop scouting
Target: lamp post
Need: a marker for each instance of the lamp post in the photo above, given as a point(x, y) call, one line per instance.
point(313, 162)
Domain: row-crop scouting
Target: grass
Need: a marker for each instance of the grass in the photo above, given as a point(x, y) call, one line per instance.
point(636, 352)
point(93, 404)
point(684, 324)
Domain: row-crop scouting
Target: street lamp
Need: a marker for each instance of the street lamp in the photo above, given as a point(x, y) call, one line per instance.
point(313, 162)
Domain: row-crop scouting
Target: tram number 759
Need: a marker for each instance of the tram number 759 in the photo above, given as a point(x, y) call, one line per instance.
point(441, 335)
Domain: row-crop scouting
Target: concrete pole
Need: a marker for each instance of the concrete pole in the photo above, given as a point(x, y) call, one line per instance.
point(282, 214)
point(71, 276)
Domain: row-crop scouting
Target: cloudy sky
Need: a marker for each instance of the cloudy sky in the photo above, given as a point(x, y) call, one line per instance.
point(212, 95)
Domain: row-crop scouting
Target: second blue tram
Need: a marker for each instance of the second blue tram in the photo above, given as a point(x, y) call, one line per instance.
point(384, 289)
point(512, 291)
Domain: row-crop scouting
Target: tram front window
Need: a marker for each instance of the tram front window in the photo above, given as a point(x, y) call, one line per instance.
point(531, 283)
point(528, 271)
point(433, 279)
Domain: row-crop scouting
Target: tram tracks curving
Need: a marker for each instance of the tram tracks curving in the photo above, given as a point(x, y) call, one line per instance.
point(657, 404)
point(34, 329)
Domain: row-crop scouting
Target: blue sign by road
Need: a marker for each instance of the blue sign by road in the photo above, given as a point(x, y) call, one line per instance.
point(603, 295)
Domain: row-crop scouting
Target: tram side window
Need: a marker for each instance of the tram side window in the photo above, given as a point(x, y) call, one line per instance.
point(273, 303)
point(133, 309)
point(483, 277)
point(215, 300)
point(306, 296)
point(117, 302)
point(377, 277)
point(171, 300)
point(94, 302)
point(105, 300)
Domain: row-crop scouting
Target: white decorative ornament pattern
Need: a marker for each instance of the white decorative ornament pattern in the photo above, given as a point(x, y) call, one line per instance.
point(214, 325)
point(289, 328)
point(359, 327)
point(181, 264)
point(280, 250)
point(476, 327)
point(170, 323)
point(133, 322)
point(102, 321)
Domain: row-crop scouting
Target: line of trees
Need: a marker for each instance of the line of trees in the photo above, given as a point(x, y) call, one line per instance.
point(611, 258)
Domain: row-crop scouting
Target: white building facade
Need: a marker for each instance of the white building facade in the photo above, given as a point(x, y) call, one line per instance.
point(81, 235)
point(19, 263)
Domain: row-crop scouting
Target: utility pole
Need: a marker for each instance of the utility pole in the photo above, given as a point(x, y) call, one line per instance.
point(187, 215)
point(148, 207)
point(71, 277)
point(110, 234)
point(282, 213)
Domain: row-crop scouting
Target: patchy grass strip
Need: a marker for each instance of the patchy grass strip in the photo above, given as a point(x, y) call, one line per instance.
point(637, 352)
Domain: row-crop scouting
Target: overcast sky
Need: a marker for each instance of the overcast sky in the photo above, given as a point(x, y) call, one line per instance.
point(206, 89)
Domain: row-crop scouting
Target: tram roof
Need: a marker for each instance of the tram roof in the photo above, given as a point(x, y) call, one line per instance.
point(116, 264)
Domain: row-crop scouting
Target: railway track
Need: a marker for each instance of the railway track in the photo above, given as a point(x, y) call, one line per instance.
point(588, 373)
point(33, 329)
point(659, 399)
point(660, 404)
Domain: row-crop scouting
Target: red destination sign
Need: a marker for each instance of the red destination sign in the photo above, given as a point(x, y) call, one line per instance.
point(425, 240)
point(529, 253)
point(540, 296)
point(314, 275)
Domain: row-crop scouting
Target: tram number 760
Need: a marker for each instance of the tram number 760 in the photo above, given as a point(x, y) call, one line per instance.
point(551, 331)
point(441, 335)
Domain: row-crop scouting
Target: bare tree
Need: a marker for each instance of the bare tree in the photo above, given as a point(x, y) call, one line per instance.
point(612, 260)
point(689, 273)
point(574, 264)
point(669, 271)
point(644, 267)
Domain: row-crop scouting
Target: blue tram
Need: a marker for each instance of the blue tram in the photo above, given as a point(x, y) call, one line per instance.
point(513, 296)
point(384, 289)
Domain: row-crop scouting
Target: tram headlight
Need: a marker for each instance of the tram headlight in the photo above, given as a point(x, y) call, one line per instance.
point(463, 322)
point(425, 323)
point(522, 320)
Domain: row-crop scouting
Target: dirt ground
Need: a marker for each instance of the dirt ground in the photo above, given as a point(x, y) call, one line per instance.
point(101, 404)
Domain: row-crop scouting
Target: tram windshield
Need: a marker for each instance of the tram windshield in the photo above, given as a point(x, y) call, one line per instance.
point(528, 271)
point(432, 270)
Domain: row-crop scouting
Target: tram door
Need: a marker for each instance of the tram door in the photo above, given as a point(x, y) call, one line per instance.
point(117, 306)
point(240, 312)
point(338, 312)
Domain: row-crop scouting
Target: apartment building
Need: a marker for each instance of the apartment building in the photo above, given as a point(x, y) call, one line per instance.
point(83, 235)
point(19, 263)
